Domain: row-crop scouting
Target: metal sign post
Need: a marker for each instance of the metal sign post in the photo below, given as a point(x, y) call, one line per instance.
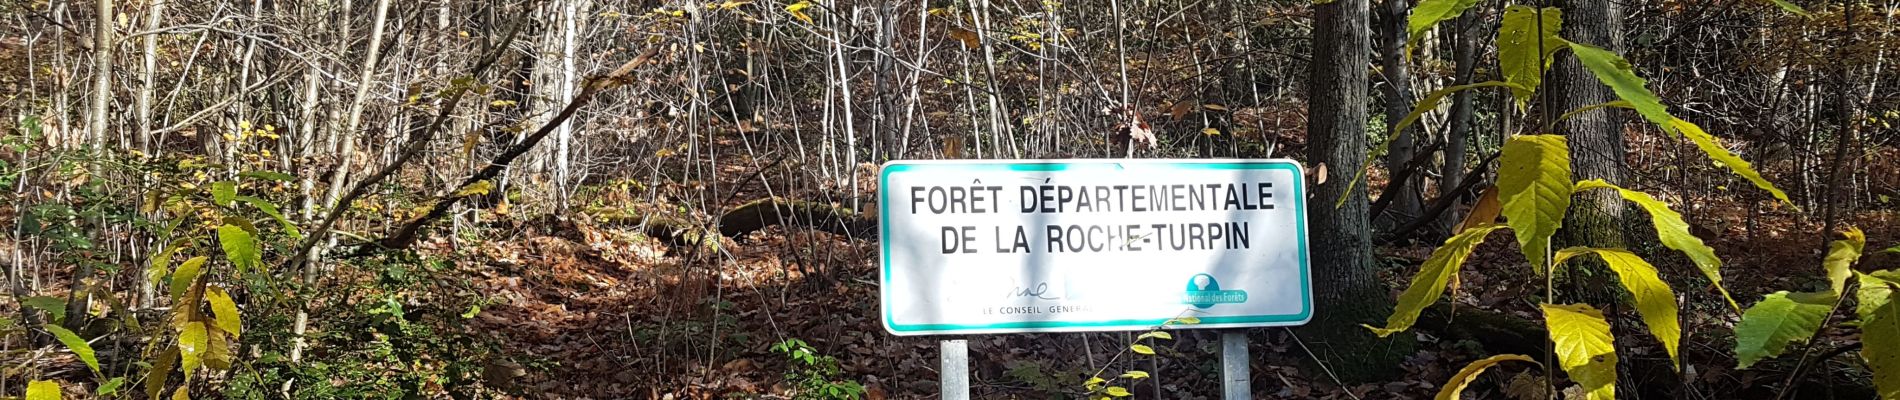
point(1235, 369)
point(954, 369)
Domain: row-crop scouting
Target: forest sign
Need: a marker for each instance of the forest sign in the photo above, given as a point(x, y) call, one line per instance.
point(992, 246)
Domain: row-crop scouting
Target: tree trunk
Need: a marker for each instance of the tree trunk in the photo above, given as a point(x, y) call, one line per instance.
point(1337, 140)
point(1464, 44)
point(102, 75)
point(570, 78)
point(364, 80)
point(1397, 93)
point(1595, 137)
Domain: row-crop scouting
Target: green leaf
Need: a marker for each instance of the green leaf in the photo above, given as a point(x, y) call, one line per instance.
point(1432, 277)
point(1143, 349)
point(162, 262)
point(180, 394)
point(223, 193)
point(1094, 382)
point(1673, 232)
point(1588, 108)
point(1582, 342)
point(268, 175)
point(1118, 391)
point(42, 390)
point(75, 343)
point(1791, 7)
point(271, 210)
point(1783, 318)
point(1880, 346)
point(53, 306)
point(1457, 384)
point(193, 342)
point(239, 247)
point(1184, 321)
point(224, 309)
point(1841, 255)
point(1653, 298)
point(1875, 290)
point(1722, 156)
point(1429, 102)
point(1519, 55)
point(1155, 334)
point(111, 387)
point(186, 275)
point(1429, 13)
point(1616, 72)
point(1534, 187)
point(1135, 374)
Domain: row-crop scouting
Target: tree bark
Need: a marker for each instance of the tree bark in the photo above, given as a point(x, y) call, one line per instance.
point(364, 80)
point(1397, 93)
point(1595, 137)
point(1337, 139)
point(1464, 45)
point(102, 76)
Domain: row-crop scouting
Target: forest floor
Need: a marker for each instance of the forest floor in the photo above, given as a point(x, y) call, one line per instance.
point(607, 314)
point(599, 310)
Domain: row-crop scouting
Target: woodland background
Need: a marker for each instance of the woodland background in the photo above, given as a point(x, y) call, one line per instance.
point(638, 199)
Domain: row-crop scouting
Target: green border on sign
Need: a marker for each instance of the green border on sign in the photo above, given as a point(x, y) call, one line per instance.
point(884, 246)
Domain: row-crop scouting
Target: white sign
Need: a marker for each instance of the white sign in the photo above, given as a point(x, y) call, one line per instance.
point(994, 246)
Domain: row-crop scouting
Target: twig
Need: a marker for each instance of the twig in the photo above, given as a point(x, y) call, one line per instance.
point(412, 146)
point(410, 231)
point(1321, 364)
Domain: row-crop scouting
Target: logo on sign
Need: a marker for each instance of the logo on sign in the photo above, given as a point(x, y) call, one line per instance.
point(1203, 291)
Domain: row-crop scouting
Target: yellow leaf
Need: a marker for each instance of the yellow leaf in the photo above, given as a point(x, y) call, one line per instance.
point(225, 310)
point(186, 274)
point(1524, 52)
point(481, 187)
point(1673, 232)
point(798, 10)
point(1210, 131)
point(1582, 340)
point(1722, 156)
point(193, 342)
point(42, 390)
point(1653, 298)
point(1841, 255)
point(180, 394)
point(1534, 189)
point(1215, 107)
point(1143, 349)
point(1117, 391)
point(1464, 377)
point(1155, 334)
point(1431, 279)
point(1880, 346)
